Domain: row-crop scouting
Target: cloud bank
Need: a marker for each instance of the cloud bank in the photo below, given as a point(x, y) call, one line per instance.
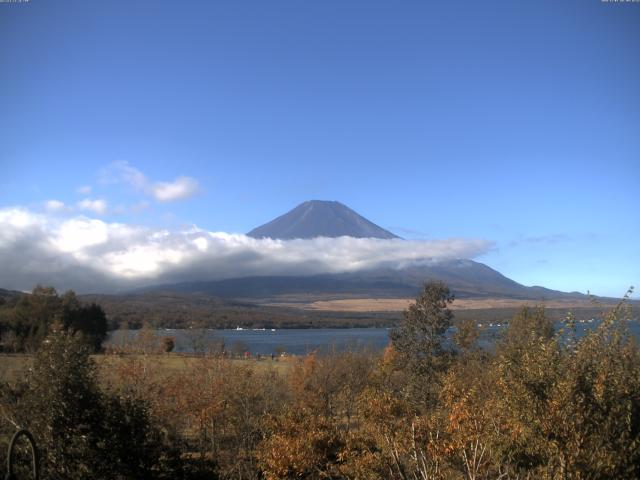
point(91, 255)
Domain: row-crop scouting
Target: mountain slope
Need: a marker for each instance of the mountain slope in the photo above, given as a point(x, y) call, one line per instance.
point(466, 278)
point(6, 295)
point(318, 218)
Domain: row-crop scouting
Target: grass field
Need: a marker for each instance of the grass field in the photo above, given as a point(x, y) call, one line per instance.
point(399, 304)
point(13, 366)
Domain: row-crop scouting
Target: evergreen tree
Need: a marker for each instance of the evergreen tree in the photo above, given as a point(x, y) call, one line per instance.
point(29, 321)
point(419, 339)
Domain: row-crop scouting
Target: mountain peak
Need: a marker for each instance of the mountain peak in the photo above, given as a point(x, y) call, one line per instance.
point(320, 218)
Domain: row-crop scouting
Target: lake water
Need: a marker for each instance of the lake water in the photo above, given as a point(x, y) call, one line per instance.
point(301, 341)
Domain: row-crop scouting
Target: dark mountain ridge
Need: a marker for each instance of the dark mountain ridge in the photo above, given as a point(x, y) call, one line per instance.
point(466, 278)
point(8, 294)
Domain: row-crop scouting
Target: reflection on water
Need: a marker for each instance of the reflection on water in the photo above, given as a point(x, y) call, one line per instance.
point(301, 341)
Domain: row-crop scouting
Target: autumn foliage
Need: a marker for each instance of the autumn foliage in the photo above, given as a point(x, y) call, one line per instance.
point(539, 404)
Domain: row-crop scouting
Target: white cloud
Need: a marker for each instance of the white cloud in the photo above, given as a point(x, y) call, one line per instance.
point(77, 234)
point(92, 255)
point(98, 206)
point(54, 206)
point(182, 187)
point(122, 172)
point(84, 190)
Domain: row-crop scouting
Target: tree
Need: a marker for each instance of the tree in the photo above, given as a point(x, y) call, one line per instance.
point(147, 341)
point(419, 340)
point(309, 438)
point(527, 325)
point(62, 406)
point(89, 320)
point(197, 339)
point(571, 409)
point(81, 431)
point(32, 315)
point(30, 319)
point(466, 335)
point(168, 344)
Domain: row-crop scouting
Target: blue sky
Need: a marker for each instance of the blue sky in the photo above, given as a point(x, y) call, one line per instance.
point(513, 123)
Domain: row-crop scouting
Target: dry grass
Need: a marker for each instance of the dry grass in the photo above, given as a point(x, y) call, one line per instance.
point(399, 304)
point(13, 366)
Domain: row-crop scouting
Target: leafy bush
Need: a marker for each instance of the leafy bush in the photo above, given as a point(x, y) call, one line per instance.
point(81, 431)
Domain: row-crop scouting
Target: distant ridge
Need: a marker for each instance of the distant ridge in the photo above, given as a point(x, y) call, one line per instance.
point(466, 278)
point(9, 293)
point(318, 218)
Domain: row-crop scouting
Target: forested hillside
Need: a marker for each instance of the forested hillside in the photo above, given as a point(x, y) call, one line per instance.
point(26, 319)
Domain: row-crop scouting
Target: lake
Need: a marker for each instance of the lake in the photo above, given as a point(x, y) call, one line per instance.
point(302, 341)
